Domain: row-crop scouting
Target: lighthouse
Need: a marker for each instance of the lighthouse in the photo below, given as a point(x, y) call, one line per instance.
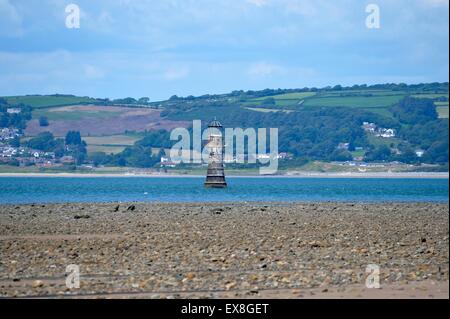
point(215, 176)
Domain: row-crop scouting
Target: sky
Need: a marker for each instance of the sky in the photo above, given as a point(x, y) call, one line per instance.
point(160, 48)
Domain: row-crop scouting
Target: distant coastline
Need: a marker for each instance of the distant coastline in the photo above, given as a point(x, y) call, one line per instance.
point(437, 175)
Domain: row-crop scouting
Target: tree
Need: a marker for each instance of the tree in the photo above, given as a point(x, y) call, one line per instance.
point(99, 158)
point(73, 138)
point(144, 100)
point(407, 155)
point(413, 111)
point(341, 156)
point(269, 101)
point(380, 153)
point(15, 142)
point(43, 121)
point(45, 142)
point(437, 153)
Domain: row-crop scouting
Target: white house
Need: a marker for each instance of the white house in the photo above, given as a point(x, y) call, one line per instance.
point(13, 110)
point(419, 153)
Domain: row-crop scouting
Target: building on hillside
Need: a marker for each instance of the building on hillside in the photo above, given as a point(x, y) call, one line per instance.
point(168, 164)
point(8, 133)
point(13, 110)
point(369, 127)
point(67, 160)
point(419, 152)
point(343, 146)
point(385, 132)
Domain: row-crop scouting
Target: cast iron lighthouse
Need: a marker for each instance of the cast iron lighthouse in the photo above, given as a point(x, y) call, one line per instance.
point(215, 176)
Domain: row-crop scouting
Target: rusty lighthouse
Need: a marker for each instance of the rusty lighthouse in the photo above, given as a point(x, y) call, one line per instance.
point(215, 176)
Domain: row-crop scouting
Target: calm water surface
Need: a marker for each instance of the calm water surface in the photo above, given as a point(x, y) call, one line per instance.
point(188, 189)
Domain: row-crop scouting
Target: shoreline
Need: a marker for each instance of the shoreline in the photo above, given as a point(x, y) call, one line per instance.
point(426, 175)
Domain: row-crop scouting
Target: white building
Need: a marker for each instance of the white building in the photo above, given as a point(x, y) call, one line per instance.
point(13, 111)
point(419, 153)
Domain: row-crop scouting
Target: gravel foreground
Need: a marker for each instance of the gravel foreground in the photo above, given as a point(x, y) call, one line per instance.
point(225, 250)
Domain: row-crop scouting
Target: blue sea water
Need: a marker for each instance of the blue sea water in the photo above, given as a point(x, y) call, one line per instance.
point(14, 190)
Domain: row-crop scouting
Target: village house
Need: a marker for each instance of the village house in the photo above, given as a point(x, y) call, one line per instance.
point(378, 131)
point(386, 133)
point(168, 164)
point(369, 127)
point(343, 146)
point(13, 110)
point(419, 152)
point(67, 160)
point(8, 134)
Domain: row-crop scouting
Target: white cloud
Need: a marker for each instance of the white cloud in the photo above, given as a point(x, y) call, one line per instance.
point(179, 73)
point(263, 69)
point(435, 3)
point(258, 3)
point(93, 72)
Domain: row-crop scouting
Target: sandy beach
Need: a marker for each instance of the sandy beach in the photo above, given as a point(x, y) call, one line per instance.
point(225, 250)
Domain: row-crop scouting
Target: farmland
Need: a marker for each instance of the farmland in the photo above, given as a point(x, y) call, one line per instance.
point(375, 101)
point(311, 122)
point(442, 109)
point(354, 101)
point(111, 144)
point(44, 101)
point(74, 113)
point(93, 120)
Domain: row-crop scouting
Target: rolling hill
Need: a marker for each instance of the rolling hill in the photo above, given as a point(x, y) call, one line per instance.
point(110, 126)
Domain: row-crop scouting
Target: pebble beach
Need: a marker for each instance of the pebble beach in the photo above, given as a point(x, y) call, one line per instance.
point(225, 250)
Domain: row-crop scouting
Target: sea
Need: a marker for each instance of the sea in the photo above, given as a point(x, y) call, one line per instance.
point(22, 190)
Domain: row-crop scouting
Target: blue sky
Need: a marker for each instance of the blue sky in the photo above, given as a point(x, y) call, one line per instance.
point(158, 48)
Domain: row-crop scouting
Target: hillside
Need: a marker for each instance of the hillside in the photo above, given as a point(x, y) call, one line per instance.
point(314, 124)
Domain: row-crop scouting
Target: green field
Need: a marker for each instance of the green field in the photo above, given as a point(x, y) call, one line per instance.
point(281, 100)
point(263, 110)
point(430, 95)
point(384, 111)
point(288, 96)
point(442, 111)
point(376, 101)
point(110, 144)
point(354, 101)
point(108, 149)
point(361, 93)
point(40, 101)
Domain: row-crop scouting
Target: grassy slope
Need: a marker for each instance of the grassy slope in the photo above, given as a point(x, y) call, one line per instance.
point(39, 101)
point(355, 101)
point(110, 144)
point(376, 101)
point(442, 109)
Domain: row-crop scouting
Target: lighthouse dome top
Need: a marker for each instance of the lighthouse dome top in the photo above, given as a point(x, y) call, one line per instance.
point(215, 123)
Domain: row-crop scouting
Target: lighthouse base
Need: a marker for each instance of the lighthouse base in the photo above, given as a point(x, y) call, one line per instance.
point(215, 177)
point(215, 185)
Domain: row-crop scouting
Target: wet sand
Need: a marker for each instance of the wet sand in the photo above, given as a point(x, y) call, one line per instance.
point(225, 250)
